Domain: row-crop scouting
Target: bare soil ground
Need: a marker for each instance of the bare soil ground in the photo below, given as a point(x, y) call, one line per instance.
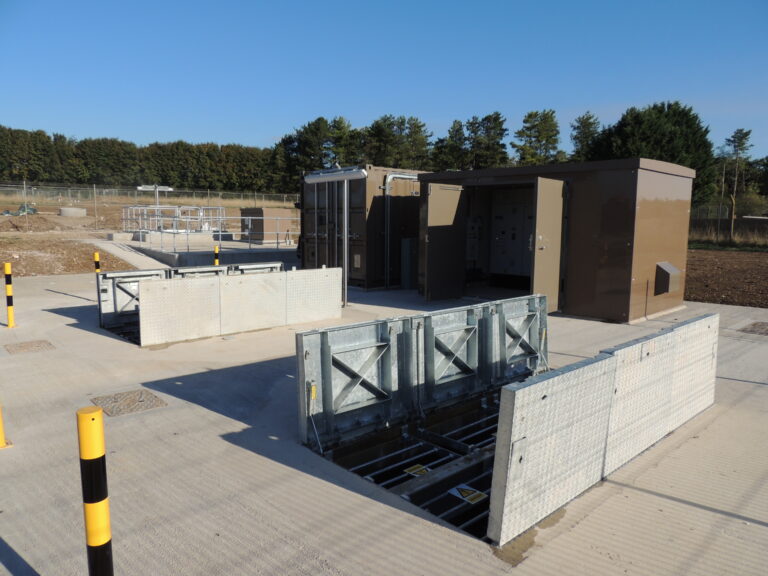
point(46, 243)
point(727, 277)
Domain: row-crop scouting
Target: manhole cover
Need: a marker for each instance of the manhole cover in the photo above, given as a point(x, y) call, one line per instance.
point(128, 402)
point(756, 328)
point(31, 346)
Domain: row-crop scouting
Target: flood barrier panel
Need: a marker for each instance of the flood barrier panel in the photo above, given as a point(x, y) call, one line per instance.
point(560, 432)
point(356, 379)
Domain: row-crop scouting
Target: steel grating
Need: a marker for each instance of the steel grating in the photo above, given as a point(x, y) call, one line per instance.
point(28, 347)
point(128, 402)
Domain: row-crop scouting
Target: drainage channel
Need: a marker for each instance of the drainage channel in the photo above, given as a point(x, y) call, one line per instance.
point(442, 463)
point(127, 328)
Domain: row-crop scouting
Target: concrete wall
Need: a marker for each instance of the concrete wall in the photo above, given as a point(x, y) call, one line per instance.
point(550, 443)
point(562, 431)
point(188, 308)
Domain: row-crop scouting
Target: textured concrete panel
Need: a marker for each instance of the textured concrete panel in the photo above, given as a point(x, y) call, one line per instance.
point(641, 400)
point(313, 295)
point(693, 378)
point(252, 302)
point(178, 309)
point(550, 443)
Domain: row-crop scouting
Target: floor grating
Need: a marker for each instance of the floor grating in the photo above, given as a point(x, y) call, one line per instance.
point(28, 347)
point(128, 402)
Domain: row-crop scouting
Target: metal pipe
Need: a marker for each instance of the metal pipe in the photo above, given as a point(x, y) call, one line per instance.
point(387, 217)
point(345, 245)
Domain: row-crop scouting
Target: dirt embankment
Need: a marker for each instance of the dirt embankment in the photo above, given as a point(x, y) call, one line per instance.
point(727, 277)
point(46, 244)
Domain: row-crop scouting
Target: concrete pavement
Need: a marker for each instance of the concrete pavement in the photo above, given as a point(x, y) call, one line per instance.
point(215, 482)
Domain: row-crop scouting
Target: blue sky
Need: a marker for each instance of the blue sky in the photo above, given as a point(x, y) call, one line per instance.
point(248, 72)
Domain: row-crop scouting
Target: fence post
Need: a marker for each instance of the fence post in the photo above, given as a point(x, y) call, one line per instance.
point(93, 475)
point(9, 294)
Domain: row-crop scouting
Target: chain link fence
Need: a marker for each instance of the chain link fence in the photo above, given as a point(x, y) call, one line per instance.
point(51, 193)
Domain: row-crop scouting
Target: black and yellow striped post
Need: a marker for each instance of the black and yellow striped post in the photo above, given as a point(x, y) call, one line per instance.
point(9, 294)
point(96, 262)
point(216, 255)
point(93, 472)
point(3, 442)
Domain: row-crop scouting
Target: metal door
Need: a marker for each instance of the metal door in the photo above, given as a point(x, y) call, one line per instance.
point(547, 240)
point(445, 242)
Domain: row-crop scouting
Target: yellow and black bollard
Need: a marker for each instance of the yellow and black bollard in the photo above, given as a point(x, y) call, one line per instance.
point(96, 262)
point(93, 473)
point(9, 294)
point(216, 255)
point(3, 442)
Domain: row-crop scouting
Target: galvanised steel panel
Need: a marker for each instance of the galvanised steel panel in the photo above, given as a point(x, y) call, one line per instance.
point(313, 295)
point(549, 444)
point(178, 309)
point(640, 411)
point(380, 374)
point(693, 378)
point(350, 379)
point(522, 331)
point(252, 302)
point(451, 341)
point(119, 294)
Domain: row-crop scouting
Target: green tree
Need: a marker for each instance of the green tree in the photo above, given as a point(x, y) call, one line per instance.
point(415, 145)
point(485, 141)
point(584, 130)
point(667, 131)
point(385, 141)
point(538, 139)
point(450, 153)
point(346, 142)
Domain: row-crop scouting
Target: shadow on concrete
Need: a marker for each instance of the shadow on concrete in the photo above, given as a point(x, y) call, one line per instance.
point(263, 396)
point(405, 299)
point(13, 562)
point(86, 318)
point(71, 295)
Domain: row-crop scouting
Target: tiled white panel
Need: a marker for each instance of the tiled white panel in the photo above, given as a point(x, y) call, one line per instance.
point(550, 443)
point(313, 295)
point(693, 379)
point(641, 401)
point(252, 302)
point(176, 310)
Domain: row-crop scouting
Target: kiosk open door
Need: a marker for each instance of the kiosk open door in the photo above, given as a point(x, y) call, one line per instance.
point(547, 240)
point(444, 246)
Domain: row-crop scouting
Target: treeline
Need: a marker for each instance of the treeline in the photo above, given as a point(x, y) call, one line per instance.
point(666, 131)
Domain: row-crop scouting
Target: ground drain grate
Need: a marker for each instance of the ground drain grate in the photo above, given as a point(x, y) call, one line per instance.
point(128, 402)
point(760, 328)
point(31, 346)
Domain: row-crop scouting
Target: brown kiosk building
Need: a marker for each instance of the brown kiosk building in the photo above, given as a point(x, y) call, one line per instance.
point(601, 239)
